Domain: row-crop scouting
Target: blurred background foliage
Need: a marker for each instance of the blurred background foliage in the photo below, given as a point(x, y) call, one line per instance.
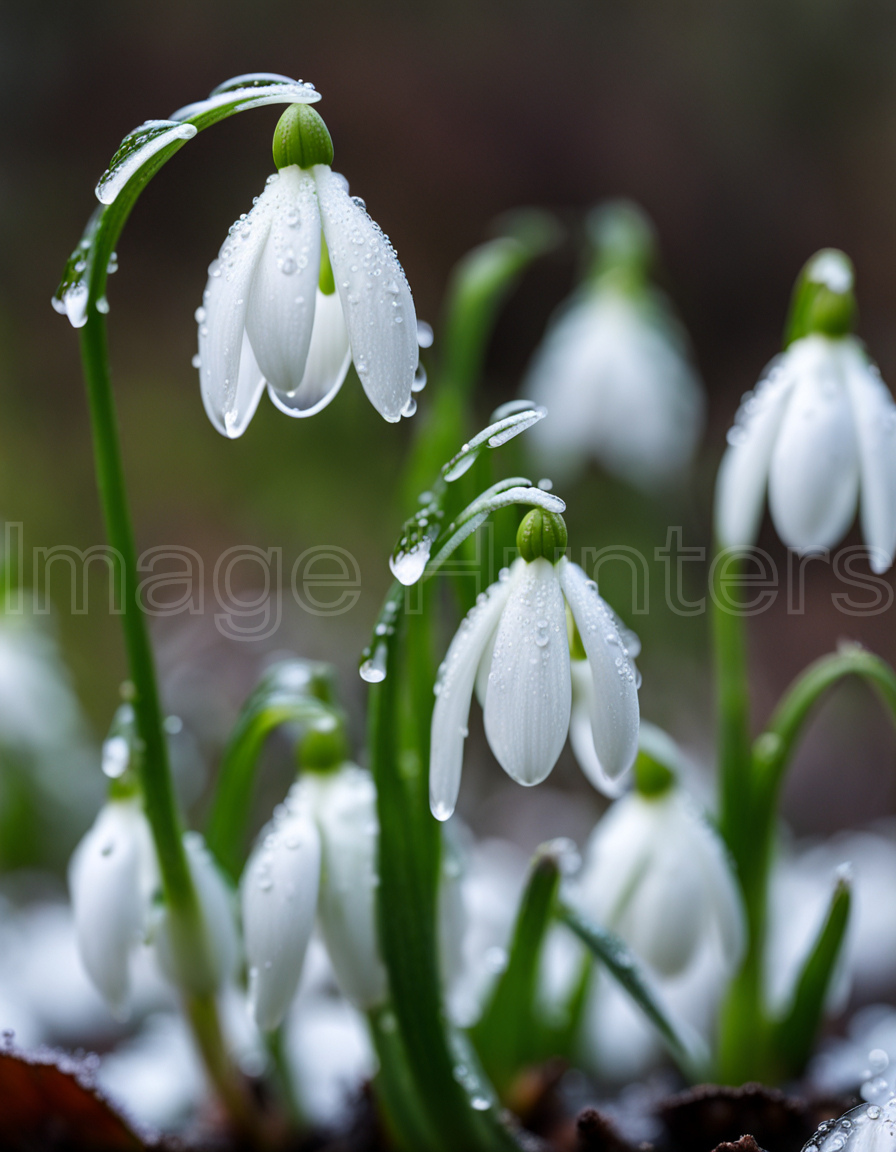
point(752, 132)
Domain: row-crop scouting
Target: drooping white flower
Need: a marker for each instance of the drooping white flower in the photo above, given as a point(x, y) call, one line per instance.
point(614, 369)
point(819, 435)
point(304, 284)
point(514, 648)
point(279, 892)
point(112, 877)
point(344, 804)
point(657, 874)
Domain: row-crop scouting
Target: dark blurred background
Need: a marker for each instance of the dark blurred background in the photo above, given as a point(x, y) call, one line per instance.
point(753, 133)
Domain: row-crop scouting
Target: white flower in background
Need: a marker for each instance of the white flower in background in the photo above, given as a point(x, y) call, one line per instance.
point(304, 284)
point(658, 875)
point(614, 370)
point(344, 803)
point(818, 433)
point(279, 892)
point(514, 648)
point(112, 877)
point(113, 880)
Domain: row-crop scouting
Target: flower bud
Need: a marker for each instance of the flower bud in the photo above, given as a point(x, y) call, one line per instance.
point(823, 298)
point(345, 809)
point(279, 896)
point(111, 878)
point(542, 533)
point(301, 138)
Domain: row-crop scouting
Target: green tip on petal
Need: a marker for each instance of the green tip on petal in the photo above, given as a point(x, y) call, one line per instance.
point(823, 299)
point(652, 778)
point(542, 534)
point(324, 746)
point(301, 138)
point(624, 240)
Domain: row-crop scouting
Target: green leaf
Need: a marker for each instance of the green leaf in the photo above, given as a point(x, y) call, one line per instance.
point(480, 283)
point(687, 1051)
point(294, 691)
point(774, 749)
point(507, 1028)
point(139, 156)
point(794, 1034)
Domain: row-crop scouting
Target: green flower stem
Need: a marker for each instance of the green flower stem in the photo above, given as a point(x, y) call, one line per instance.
point(409, 870)
point(774, 749)
point(154, 770)
point(743, 1026)
point(202, 1013)
point(397, 1094)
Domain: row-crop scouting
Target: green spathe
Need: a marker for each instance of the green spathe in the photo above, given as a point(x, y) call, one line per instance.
point(823, 299)
point(653, 779)
point(301, 138)
point(541, 533)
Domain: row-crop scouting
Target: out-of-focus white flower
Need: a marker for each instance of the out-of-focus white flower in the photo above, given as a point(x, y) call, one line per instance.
point(657, 874)
point(206, 970)
point(513, 647)
point(112, 877)
point(279, 893)
point(344, 805)
point(819, 434)
point(614, 370)
point(304, 284)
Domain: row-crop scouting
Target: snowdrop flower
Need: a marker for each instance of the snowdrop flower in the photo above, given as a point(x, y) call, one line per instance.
point(819, 432)
point(345, 807)
point(304, 284)
point(279, 897)
point(614, 369)
point(869, 1128)
point(318, 857)
point(112, 877)
point(513, 647)
point(656, 873)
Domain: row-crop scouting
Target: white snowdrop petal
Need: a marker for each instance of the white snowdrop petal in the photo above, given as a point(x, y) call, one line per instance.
point(278, 894)
point(667, 914)
point(283, 290)
point(618, 853)
point(743, 473)
point(376, 299)
point(581, 736)
point(326, 365)
point(814, 473)
point(618, 387)
point(615, 713)
point(527, 701)
point(229, 388)
point(110, 896)
point(875, 422)
point(345, 811)
point(454, 690)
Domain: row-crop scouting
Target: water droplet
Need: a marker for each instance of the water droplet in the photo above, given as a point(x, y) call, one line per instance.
point(410, 408)
point(419, 379)
point(424, 334)
point(373, 670)
point(116, 756)
point(196, 361)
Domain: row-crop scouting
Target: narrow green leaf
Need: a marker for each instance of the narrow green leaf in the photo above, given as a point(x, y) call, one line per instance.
point(623, 967)
point(507, 1028)
point(294, 691)
point(794, 1034)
